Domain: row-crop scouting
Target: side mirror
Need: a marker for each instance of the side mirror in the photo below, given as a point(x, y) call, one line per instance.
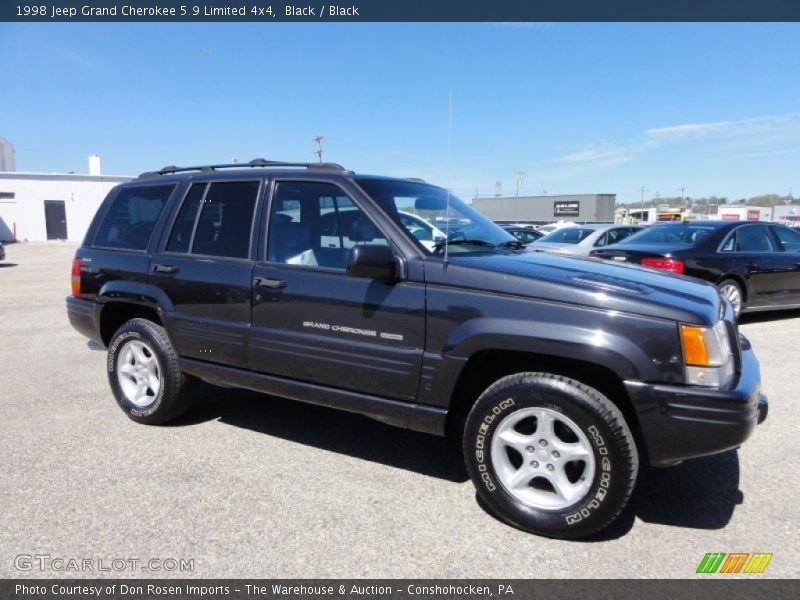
point(373, 262)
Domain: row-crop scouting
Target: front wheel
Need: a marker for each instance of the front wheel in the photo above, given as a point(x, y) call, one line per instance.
point(550, 455)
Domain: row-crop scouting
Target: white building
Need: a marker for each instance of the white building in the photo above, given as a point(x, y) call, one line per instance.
point(51, 206)
point(789, 215)
point(728, 212)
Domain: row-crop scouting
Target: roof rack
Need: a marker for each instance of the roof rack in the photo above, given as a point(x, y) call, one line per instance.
point(255, 163)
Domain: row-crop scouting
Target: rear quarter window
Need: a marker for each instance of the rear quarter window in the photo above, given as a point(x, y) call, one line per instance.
point(129, 221)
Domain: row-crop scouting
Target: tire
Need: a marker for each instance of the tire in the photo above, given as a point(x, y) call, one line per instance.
point(511, 467)
point(731, 289)
point(144, 374)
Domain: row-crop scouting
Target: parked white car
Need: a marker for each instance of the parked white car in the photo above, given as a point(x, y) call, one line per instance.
point(580, 240)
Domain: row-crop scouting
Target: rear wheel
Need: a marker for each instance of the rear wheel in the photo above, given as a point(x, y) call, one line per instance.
point(144, 374)
point(550, 455)
point(733, 292)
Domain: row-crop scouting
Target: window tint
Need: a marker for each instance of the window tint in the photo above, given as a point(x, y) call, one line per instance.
point(678, 234)
point(789, 240)
point(131, 217)
point(316, 224)
point(568, 235)
point(223, 225)
point(439, 211)
point(729, 244)
point(754, 238)
point(181, 237)
point(523, 236)
point(617, 235)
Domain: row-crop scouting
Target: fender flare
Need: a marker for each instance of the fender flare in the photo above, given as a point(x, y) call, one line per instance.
point(610, 350)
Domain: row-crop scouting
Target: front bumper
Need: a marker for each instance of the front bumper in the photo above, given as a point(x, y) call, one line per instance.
point(680, 421)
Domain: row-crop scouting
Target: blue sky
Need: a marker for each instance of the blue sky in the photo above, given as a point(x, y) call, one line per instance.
point(579, 108)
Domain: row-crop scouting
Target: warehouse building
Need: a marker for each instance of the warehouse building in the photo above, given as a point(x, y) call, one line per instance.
point(51, 206)
point(581, 208)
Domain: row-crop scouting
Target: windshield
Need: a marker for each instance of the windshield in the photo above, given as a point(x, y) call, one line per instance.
point(677, 234)
point(422, 210)
point(567, 235)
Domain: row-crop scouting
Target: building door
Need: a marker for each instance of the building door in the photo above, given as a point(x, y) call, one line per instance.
point(55, 216)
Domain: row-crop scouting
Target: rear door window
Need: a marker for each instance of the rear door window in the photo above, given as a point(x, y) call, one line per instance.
point(130, 219)
point(216, 219)
point(754, 238)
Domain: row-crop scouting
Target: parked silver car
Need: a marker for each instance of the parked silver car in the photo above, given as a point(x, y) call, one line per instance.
point(582, 239)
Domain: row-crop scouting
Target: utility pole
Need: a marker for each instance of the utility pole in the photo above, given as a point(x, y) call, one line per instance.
point(519, 175)
point(318, 140)
point(498, 189)
point(683, 189)
point(641, 217)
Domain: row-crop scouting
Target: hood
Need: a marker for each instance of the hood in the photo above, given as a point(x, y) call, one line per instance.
point(584, 281)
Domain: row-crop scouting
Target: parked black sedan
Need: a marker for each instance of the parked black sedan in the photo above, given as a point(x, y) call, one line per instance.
point(755, 265)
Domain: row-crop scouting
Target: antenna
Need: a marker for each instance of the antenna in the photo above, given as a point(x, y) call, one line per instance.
point(449, 176)
point(318, 140)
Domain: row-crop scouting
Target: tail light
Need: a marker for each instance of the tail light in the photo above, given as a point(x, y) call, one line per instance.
point(76, 277)
point(673, 265)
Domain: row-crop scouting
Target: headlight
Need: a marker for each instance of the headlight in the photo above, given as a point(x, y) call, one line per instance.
point(707, 355)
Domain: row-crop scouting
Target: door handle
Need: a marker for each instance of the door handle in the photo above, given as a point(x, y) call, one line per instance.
point(269, 282)
point(166, 269)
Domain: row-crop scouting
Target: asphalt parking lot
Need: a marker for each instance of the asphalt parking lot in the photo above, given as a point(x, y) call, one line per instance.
point(254, 486)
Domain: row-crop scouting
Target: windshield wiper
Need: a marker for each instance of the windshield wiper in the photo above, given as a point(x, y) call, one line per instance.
point(464, 242)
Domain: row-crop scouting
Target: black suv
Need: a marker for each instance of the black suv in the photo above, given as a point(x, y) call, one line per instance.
point(304, 281)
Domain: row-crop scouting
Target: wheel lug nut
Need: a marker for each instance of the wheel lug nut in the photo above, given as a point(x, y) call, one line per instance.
point(550, 467)
point(556, 454)
point(535, 464)
point(543, 442)
point(530, 448)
